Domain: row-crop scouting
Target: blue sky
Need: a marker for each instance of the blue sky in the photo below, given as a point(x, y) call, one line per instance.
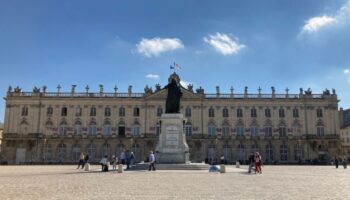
point(227, 43)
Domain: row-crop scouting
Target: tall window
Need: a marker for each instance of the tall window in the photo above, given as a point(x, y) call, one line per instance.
point(268, 112)
point(240, 153)
point(282, 130)
point(121, 112)
point(211, 130)
point(136, 112)
point(240, 130)
point(78, 111)
point(159, 111)
point(281, 113)
point(253, 112)
point(225, 112)
point(77, 128)
point(284, 152)
point(49, 111)
point(107, 112)
point(239, 112)
point(91, 150)
point(254, 130)
point(319, 112)
point(76, 152)
point(269, 153)
point(268, 131)
point(320, 130)
point(61, 152)
point(63, 128)
point(64, 111)
point(93, 111)
point(25, 111)
point(225, 130)
point(135, 130)
point(188, 112)
point(188, 129)
point(297, 152)
point(105, 150)
point(106, 131)
point(295, 113)
point(92, 128)
point(211, 153)
point(121, 128)
point(211, 112)
point(158, 129)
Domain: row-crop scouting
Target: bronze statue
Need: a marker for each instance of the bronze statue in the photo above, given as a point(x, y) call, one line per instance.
point(173, 99)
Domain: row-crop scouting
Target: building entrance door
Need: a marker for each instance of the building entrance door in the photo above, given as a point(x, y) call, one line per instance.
point(20, 155)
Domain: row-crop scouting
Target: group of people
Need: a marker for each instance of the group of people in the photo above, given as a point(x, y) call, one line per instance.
point(83, 159)
point(343, 161)
point(125, 157)
point(256, 161)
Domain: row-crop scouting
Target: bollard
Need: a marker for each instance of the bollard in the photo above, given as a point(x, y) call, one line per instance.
point(87, 167)
point(237, 164)
point(120, 168)
point(222, 168)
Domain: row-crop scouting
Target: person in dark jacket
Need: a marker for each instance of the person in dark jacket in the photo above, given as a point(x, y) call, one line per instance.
point(336, 162)
point(86, 160)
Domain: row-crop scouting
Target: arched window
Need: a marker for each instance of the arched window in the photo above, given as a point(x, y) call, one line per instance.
point(188, 129)
point(121, 112)
point(254, 130)
point(284, 152)
point(211, 130)
point(78, 111)
point(106, 128)
point(105, 150)
point(64, 111)
point(225, 112)
point(227, 152)
point(25, 111)
point(188, 112)
point(269, 153)
point(282, 130)
point(61, 152)
point(136, 112)
point(93, 111)
point(240, 129)
point(239, 112)
point(159, 111)
point(63, 128)
point(137, 152)
point(76, 152)
point(211, 153)
point(77, 128)
point(225, 129)
point(211, 112)
point(92, 128)
point(268, 129)
point(49, 111)
point(107, 112)
point(91, 150)
point(135, 128)
point(240, 153)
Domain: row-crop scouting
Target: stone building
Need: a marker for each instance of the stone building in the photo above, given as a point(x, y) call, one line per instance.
point(345, 132)
point(43, 126)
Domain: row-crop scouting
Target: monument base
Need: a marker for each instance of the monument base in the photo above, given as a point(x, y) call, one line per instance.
point(172, 147)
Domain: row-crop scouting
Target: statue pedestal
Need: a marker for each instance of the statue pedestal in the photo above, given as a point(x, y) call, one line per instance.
point(172, 147)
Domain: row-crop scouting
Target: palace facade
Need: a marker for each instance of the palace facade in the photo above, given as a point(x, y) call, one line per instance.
point(43, 126)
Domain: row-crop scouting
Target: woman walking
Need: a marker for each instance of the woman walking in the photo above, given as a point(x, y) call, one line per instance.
point(258, 163)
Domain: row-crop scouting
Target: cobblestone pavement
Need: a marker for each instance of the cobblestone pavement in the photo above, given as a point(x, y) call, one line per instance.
point(276, 182)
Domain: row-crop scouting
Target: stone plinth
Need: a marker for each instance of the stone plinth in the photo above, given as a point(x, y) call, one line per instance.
point(172, 146)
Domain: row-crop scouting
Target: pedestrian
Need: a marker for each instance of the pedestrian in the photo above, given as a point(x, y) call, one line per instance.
point(222, 159)
point(122, 157)
point(152, 160)
point(251, 162)
point(104, 163)
point(345, 162)
point(114, 162)
point(132, 159)
point(336, 162)
point(127, 159)
point(86, 160)
point(81, 161)
point(257, 163)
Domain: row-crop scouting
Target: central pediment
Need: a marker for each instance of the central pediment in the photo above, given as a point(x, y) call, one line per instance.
point(162, 94)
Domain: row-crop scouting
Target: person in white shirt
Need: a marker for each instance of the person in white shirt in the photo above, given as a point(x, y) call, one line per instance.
point(152, 160)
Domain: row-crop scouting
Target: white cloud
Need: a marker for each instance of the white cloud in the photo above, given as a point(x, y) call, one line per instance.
point(152, 76)
point(156, 46)
point(347, 74)
point(224, 44)
point(185, 83)
point(316, 23)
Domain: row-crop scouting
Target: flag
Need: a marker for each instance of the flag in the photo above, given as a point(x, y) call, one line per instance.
point(177, 66)
point(171, 67)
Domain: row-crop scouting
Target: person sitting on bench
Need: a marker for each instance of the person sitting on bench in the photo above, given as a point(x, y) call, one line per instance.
point(104, 163)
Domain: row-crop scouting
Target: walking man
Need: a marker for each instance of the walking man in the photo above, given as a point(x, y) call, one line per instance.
point(81, 161)
point(152, 160)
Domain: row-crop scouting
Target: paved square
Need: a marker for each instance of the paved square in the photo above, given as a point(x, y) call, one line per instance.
point(276, 182)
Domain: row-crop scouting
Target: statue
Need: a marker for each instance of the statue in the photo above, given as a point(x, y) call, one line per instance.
point(173, 99)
